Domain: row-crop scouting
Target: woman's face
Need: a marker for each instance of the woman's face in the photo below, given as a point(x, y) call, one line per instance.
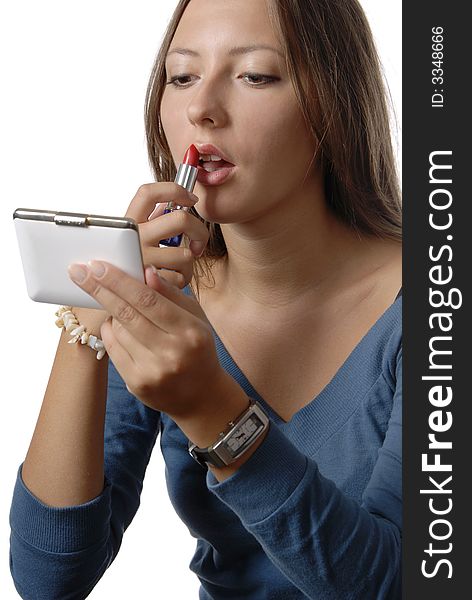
point(231, 89)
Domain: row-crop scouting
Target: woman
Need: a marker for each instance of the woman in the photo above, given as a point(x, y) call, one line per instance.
point(294, 303)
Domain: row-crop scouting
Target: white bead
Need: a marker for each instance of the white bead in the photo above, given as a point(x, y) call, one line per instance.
point(91, 341)
point(71, 326)
point(99, 345)
point(84, 338)
point(78, 330)
point(101, 353)
point(60, 323)
point(74, 339)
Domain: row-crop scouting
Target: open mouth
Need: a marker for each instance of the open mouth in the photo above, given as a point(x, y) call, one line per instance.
point(211, 163)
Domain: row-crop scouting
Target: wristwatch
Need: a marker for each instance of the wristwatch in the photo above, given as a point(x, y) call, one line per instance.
point(238, 436)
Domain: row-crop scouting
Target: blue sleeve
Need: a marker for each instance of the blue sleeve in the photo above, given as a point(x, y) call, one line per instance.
point(325, 543)
point(61, 553)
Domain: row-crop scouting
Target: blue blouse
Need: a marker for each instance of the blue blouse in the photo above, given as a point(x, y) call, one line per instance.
point(315, 512)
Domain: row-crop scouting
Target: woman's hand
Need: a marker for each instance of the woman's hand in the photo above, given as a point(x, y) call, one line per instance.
point(175, 264)
point(158, 338)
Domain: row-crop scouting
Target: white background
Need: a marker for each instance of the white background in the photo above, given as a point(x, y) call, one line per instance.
point(73, 80)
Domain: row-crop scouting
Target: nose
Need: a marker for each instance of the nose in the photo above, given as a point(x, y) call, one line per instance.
point(207, 105)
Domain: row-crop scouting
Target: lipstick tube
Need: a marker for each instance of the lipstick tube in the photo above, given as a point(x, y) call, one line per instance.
point(186, 177)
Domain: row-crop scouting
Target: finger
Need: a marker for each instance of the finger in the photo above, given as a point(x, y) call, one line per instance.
point(143, 332)
point(189, 303)
point(178, 259)
point(175, 223)
point(132, 302)
point(149, 194)
point(117, 345)
point(172, 277)
point(125, 343)
point(117, 352)
point(158, 210)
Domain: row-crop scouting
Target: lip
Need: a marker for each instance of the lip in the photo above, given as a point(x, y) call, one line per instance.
point(212, 149)
point(215, 177)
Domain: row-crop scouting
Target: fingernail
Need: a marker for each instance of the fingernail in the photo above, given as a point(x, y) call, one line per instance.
point(197, 247)
point(194, 197)
point(155, 270)
point(97, 267)
point(77, 273)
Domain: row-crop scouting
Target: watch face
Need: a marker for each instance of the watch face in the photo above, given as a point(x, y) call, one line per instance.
point(243, 434)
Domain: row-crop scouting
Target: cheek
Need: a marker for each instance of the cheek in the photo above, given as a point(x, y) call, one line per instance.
point(276, 126)
point(285, 145)
point(164, 111)
point(171, 122)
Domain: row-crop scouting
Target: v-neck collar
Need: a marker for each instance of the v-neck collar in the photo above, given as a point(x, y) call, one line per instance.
point(318, 402)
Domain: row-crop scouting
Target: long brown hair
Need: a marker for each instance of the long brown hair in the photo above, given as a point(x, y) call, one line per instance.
point(336, 73)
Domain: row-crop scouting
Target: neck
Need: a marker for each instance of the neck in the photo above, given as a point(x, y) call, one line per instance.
point(300, 251)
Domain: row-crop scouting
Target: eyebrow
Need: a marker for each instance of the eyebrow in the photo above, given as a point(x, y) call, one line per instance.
point(235, 51)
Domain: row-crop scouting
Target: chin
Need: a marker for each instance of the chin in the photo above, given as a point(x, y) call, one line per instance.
point(217, 209)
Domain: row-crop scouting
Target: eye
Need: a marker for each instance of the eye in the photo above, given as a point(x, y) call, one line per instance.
point(180, 81)
point(258, 80)
point(253, 79)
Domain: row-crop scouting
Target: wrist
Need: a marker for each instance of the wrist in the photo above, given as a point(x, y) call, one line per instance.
point(92, 318)
point(222, 473)
point(224, 402)
point(235, 443)
point(69, 321)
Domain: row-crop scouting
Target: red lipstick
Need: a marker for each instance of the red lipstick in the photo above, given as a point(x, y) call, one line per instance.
point(186, 177)
point(192, 156)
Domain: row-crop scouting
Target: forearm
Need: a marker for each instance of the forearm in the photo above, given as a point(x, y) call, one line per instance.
point(78, 543)
point(64, 463)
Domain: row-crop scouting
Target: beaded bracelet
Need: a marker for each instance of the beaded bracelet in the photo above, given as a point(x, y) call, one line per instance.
point(68, 321)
